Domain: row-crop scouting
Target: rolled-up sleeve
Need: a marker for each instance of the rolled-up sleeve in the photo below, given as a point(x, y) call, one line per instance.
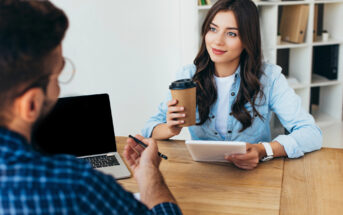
point(305, 135)
point(158, 118)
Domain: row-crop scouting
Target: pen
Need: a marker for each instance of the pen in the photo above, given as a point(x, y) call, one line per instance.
point(145, 145)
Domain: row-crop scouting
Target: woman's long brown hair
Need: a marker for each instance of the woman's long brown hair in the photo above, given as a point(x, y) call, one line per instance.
point(247, 18)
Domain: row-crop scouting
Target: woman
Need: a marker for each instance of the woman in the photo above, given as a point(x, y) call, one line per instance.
point(236, 92)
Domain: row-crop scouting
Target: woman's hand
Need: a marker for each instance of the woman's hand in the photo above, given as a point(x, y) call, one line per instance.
point(249, 160)
point(175, 117)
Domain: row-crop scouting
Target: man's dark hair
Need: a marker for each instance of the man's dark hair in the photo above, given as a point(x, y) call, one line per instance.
point(29, 32)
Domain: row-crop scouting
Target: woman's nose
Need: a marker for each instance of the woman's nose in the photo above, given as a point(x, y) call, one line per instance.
point(219, 39)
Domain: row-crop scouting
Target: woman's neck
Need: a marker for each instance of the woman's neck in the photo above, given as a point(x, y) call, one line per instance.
point(225, 69)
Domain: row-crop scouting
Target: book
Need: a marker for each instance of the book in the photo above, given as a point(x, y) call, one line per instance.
point(294, 22)
point(315, 23)
point(325, 61)
point(282, 60)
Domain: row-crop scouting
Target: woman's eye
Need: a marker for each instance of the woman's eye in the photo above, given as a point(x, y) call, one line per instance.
point(231, 34)
point(212, 29)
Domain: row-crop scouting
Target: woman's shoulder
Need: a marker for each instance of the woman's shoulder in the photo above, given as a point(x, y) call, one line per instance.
point(270, 72)
point(186, 71)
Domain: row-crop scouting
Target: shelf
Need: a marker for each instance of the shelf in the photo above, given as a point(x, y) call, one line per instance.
point(292, 2)
point(327, 1)
point(204, 7)
point(322, 119)
point(331, 41)
point(319, 81)
point(279, 2)
point(298, 86)
point(265, 3)
point(295, 84)
point(287, 45)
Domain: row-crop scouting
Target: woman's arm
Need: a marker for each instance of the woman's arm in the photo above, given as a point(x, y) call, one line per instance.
point(304, 135)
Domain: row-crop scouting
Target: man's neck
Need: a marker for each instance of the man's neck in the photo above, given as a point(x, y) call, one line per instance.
point(21, 128)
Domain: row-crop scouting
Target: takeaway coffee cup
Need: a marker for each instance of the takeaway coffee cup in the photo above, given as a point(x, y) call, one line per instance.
point(184, 91)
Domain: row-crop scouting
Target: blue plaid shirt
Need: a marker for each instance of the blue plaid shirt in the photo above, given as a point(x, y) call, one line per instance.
point(33, 183)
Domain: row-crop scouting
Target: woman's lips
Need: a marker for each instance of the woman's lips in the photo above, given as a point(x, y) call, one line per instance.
point(217, 51)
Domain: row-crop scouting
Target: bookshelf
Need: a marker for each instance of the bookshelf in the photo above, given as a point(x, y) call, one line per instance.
point(321, 96)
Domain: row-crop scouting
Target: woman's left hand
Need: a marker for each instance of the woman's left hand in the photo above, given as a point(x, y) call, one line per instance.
point(249, 160)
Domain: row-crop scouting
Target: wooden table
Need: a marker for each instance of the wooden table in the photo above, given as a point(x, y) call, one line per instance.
point(309, 185)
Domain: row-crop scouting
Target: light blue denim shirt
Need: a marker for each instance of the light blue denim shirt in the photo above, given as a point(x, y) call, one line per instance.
point(305, 135)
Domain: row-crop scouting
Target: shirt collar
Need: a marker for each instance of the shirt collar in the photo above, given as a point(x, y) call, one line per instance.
point(12, 142)
point(238, 72)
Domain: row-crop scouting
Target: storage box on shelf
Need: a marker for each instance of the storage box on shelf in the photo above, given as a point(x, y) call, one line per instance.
point(322, 15)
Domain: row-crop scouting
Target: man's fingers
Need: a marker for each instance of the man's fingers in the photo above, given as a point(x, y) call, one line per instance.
point(128, 152)
point(135, 145)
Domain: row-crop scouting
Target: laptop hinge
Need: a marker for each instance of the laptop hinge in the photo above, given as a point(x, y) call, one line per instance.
point(110, 154)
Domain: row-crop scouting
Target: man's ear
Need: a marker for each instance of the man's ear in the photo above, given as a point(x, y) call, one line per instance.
point(29, 105)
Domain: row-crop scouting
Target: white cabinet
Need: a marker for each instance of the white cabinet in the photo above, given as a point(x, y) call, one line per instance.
point(321, 96)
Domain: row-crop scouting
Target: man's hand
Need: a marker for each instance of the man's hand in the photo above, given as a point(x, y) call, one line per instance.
point(145, 166)
point(249, 160)
point(139, 159)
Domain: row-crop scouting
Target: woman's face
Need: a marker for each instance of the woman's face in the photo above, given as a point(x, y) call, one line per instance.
point(222, 40)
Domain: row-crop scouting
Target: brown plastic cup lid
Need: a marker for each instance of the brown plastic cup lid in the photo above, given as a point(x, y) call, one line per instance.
point(182, 84)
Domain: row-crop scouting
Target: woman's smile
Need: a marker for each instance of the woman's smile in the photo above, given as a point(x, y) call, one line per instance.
point(218, 51)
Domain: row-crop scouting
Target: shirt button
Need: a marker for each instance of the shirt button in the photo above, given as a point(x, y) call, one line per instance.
point(229, 132)
point(213, 117)
point(215, 133)
point(233, 94)
point(231, 113)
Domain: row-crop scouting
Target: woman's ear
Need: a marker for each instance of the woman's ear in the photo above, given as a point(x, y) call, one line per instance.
point(29, 105)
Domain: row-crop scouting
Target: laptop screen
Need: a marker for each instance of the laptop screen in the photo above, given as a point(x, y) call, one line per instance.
point(79, 126)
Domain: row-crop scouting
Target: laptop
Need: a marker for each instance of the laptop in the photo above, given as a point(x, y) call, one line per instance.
point(82, 126)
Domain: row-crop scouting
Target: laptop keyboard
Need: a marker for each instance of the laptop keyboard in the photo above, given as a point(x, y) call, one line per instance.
point(102, 161)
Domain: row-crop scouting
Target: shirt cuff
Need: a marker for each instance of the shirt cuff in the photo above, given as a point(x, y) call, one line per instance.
point(147, 130)
point(290, 145)
point(167, 208)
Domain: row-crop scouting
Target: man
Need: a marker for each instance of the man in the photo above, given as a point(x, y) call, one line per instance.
point(33, 183)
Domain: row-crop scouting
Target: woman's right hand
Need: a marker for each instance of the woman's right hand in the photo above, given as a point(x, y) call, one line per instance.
point(175, 117)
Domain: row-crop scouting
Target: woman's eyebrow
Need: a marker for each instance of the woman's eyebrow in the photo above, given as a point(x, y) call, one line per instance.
point(230, 28)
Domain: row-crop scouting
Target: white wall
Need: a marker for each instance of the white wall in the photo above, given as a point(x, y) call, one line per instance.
point(129, 49)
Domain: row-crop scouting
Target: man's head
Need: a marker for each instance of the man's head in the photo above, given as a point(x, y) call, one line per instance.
point(30, 59)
